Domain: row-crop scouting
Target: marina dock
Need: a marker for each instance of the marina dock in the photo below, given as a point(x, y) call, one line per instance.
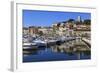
point(87, 41)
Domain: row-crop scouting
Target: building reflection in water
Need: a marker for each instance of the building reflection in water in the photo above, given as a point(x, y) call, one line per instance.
point(74, 47)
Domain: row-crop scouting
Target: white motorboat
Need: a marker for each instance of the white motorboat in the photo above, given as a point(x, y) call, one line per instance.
point(28, 44)
point(39, 42)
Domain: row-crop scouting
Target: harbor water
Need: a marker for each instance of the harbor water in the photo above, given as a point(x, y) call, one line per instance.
point(64, 51)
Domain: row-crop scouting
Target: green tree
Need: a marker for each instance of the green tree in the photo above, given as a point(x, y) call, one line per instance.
point(87, 21)
point(71, 21)
point(40, 33)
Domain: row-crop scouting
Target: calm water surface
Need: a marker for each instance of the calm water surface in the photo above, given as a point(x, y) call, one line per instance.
point(66, 51)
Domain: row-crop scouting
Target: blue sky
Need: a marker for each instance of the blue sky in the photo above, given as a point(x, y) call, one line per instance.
point(47, 18)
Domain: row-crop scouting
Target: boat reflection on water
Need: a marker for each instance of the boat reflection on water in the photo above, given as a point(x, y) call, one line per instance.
point(70, 50)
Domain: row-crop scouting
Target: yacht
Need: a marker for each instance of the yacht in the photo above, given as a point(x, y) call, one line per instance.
point(39, 42)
